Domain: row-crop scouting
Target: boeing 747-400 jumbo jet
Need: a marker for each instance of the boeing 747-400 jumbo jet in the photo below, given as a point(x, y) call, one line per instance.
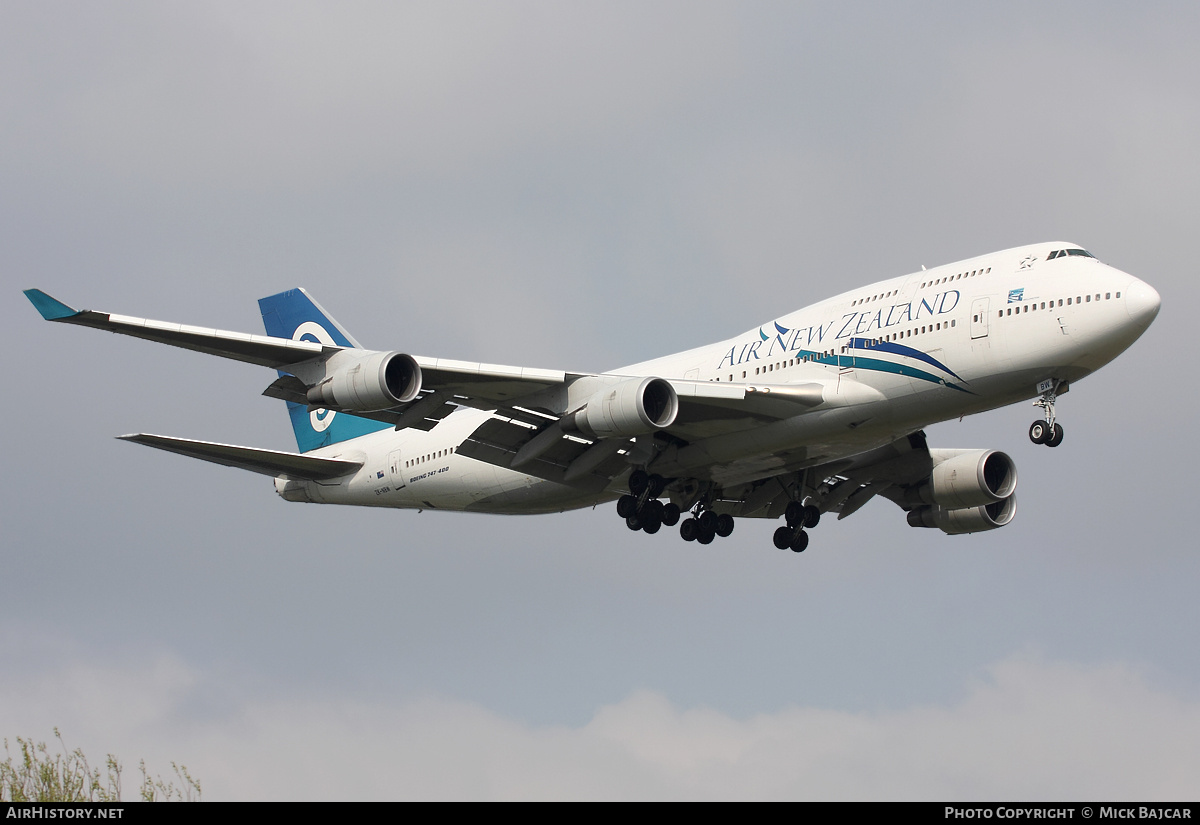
point(813, 412)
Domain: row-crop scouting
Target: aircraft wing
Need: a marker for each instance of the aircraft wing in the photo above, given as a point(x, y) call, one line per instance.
point(263, 350)
point(446, 382)
point(842, 486)
point(470, 384)
point(525, 436)
point(266, 462)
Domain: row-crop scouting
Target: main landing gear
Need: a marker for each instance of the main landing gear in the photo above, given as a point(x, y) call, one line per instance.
point(1047, 432)
point(705, 525)
point(792, 536)
point(641, 508)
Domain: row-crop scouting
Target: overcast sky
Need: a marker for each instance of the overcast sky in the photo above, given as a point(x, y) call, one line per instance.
point(580, 186)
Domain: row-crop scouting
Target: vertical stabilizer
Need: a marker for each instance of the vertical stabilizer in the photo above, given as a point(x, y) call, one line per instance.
point(295, 315)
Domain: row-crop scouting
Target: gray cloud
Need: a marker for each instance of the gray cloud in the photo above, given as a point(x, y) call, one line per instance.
point(1024, 727)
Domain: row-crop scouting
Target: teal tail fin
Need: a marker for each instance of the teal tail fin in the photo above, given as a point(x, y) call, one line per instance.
point(295, 315)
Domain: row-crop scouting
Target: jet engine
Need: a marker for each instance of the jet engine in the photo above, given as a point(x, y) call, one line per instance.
point(968, 491)
point(637, 406)
point(966, 478)
point(367, 381)
point(967, 519)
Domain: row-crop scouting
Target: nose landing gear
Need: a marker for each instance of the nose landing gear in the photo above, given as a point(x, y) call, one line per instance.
point(1048, 432)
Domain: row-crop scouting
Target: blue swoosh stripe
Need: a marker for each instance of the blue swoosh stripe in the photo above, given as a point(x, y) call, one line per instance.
point(900, 369)
point(879, 365)
point(900, 349)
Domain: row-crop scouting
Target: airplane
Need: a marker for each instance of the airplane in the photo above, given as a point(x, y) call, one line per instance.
point(817, 411)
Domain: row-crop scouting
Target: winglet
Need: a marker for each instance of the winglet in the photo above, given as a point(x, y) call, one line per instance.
point(51, 309)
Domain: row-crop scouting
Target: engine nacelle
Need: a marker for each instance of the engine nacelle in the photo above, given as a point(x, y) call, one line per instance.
point(965, 520)
point(635, 407)
point(966, 478)
point(367, 381)
point(292, 489)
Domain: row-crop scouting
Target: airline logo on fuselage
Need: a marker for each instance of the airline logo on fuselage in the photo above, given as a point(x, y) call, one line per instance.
point(851, 325)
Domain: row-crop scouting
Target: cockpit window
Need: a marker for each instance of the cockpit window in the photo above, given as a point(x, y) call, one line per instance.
point(1058, 253)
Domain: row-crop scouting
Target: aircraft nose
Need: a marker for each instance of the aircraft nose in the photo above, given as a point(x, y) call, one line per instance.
point(1142, 302)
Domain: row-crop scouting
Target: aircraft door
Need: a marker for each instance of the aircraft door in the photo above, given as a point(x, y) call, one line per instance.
point(979, 318)
point(396, 470)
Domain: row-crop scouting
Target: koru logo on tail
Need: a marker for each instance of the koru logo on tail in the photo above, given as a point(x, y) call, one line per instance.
point(322, 418)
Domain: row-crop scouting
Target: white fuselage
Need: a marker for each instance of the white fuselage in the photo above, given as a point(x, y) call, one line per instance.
point(908, 352)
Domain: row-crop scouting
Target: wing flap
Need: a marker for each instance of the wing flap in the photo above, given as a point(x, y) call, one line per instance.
point(485, 386)
point(254, 459)
point(498, 440)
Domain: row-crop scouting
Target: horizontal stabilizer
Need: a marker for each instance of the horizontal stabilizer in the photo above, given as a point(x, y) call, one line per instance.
point(267, 462)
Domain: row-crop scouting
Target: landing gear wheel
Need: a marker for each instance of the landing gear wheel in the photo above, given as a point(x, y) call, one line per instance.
point(689, 530)
point(800, 542)
point(794, 514)
point(1048, 432)
point(657, 484)
point(708, 521)
point(812, 516)
point(783, 538)
point(638, 480)
point(626, 506)
point(633, 522)
point(1039, 431)
point(651, 523)
point(724, 525)
point(1056, 436)
point(706, 536)
point(670, 515)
